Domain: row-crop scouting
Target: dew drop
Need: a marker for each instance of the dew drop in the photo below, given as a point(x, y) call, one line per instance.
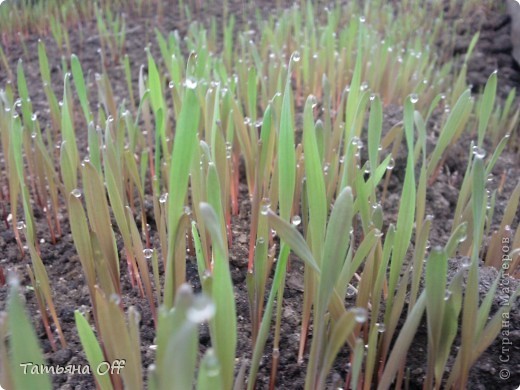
point(326, 168)
point(115, 298)
point(367, 167)
point(381, 328)
point(163, 198)
point(190, 83)
point(414, 98)
point(264, 206)
point(20, 225)
point(466, 262)
point(202, 309)
point(148, 253)
point(83, 310)
point(479, 152)
point(296, 220)
point(211, 363)
point(447, 295)
point(296, 56)
point(313, 101)
point(391, 164)
point(76, 192)
point(360, 314)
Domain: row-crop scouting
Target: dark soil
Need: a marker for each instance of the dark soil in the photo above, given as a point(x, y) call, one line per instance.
point(493, 50)
point(62, 263)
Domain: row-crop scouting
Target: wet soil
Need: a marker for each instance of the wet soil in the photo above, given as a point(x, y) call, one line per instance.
point(62, 262)
point(493, 49)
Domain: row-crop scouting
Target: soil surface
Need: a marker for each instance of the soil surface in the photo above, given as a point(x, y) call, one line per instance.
point(492, 52)
point(62, 263)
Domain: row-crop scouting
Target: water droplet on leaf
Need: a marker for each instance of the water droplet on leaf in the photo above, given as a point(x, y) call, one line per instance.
point(163, 198)
point(360, 314)
point(76, 192)
point(202, 309)
point(296, 220)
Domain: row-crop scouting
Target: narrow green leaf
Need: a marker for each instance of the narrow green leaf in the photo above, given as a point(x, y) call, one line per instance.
point(184, 145)
point(404, 340)
point(293, 238)
point(223, 325)
point(286, 154)
point(24, 345)
point(92, 350)
point(315, 182)
point(81, 88)
point(487, 104)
